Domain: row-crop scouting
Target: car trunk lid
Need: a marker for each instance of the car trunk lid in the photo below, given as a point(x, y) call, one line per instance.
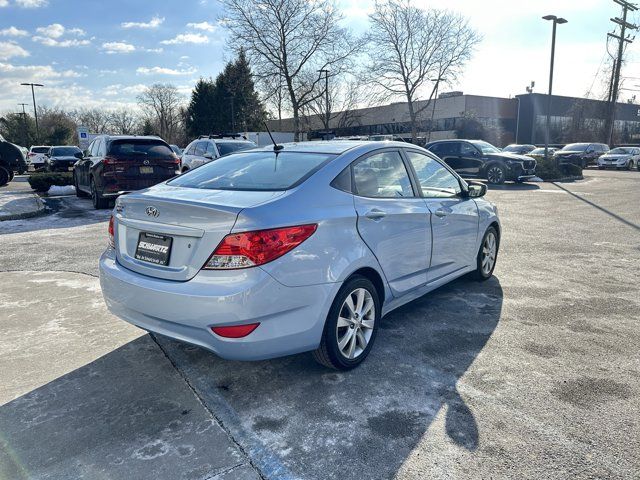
point(179, 226)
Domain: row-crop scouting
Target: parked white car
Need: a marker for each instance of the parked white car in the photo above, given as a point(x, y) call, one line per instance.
point(36, 158)
point(620, 158)
point(210, 147)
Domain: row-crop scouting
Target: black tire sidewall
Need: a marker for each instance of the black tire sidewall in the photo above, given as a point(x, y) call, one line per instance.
point(504, 173)
point(330, 334)
point(481, 275)
point(4, 176)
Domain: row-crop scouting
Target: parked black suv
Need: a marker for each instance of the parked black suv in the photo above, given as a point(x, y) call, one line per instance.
point(62, 158)
point(479, 159)
point(581, 154)
point(113, 165)
point(11, 161)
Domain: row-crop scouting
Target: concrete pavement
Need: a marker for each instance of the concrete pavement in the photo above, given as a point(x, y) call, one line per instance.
point(533, 374)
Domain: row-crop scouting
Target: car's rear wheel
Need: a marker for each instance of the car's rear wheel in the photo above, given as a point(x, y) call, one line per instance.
point(496, 174)
point(487, 254)
point(630, 165)
point(5, 177)
point(79, 193)
point(96, 198)
point(351, 326)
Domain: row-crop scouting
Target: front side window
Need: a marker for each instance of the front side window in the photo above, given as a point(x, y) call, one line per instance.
point(201, 148)
point(435, 180)
point(467, 150)
point(190, 149)
point(382, 175)
point(485, 147)
point(261, 171)
point(211, 149)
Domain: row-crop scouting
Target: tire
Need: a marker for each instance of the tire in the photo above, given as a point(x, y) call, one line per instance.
point(4, 176)
point(98, 202)
point(630, 165)
point(483, 273)
point(355, 328)
point(496, 174)
point(600, 168)
point(79, 193)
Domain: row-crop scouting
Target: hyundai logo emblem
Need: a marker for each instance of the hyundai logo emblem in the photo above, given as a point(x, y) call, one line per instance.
point(152, 211)
point(146, 162)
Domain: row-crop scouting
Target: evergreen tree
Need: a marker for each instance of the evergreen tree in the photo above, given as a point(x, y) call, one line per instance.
point(229, 103)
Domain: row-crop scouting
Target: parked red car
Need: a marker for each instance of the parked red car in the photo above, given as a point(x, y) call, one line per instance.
point(113, 165)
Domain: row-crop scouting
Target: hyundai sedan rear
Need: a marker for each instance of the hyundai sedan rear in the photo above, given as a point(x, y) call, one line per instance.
point(300, 248)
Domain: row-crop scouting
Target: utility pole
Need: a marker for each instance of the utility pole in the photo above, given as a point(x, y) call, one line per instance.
point(35, 110)
point(24, 123)
point(433, 110)
point(622, 40)
point(556, 21)
point(326, 98)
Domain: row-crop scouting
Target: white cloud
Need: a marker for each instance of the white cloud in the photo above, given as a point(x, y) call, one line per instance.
point(51, 36)
point(206, 26)
point(120, 90)
point(155, 22)
point(35, 72)
point(13, 32)
point(187, 38)
point(4, 3)
point(52, 42)
point(163, 71)
point(32, 3)
point(118, 47)
point(55, 30)
point(11, 49)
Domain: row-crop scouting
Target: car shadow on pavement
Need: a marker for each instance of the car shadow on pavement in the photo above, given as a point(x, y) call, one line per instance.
point(126, 415)
point(297, 419)
point(514, 186)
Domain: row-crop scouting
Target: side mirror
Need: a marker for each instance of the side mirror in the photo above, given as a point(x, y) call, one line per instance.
point(476, 190)
point(78, 155)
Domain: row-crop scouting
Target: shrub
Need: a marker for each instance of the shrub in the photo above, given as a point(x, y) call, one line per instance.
point(41, 182)
point(548, 169)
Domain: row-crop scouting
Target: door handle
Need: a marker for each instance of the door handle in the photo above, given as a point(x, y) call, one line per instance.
point(375, 214)
point(440, 213)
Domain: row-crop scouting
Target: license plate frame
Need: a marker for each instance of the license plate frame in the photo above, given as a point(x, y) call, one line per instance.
point(154, 248)
point(146, 170)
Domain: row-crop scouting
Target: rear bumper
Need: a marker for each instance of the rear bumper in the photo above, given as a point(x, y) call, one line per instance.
point(291, 318)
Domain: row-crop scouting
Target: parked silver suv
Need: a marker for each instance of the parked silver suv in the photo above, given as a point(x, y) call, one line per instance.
point(210, 147)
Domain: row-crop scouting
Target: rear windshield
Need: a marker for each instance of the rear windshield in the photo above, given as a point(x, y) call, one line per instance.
point(263, 170)
point(141, 148)
point(64, 151)
point(39, 149)
point(229, 147)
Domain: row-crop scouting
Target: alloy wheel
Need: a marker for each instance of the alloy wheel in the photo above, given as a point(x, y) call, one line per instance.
point(489, 252)
point(495, 175)
point(355, 323)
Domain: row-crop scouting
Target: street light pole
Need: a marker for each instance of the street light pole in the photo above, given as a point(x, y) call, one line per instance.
point(556, 21)
point(35, 110)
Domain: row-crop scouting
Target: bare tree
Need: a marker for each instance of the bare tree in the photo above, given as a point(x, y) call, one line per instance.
point(343, 98)
point(161, 103)
point(292, 39)
point(123, 121)
point(411, 48)
point(95, 119)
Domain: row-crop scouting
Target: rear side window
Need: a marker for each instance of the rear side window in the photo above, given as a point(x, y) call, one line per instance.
point(262, 171)
point(229, 147)
point(140, 148)
point(201, 147)
point(382, 175)
point(447, 148)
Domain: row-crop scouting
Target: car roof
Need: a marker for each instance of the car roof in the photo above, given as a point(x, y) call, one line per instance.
point(64, 146)
point(335, 147)
point(131, 137)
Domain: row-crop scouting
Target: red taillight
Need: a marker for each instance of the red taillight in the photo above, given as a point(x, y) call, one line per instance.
point(235, 331)
point(112, 242)
point(109, 161)
point(250, 249)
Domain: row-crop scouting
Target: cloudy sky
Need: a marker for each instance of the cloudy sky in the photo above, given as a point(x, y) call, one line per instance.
point(103, 53)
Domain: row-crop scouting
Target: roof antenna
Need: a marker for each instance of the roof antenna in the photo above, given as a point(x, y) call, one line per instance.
point(276, 147)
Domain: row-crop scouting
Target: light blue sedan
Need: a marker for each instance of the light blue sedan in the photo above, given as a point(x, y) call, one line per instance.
point(301, 247)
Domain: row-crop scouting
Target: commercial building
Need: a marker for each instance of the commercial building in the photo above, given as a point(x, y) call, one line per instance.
point(498, 120)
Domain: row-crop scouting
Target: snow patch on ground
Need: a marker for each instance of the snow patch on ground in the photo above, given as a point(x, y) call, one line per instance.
point(58, 190)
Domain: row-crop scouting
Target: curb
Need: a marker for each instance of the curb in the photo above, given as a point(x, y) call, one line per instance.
point(20, 216)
